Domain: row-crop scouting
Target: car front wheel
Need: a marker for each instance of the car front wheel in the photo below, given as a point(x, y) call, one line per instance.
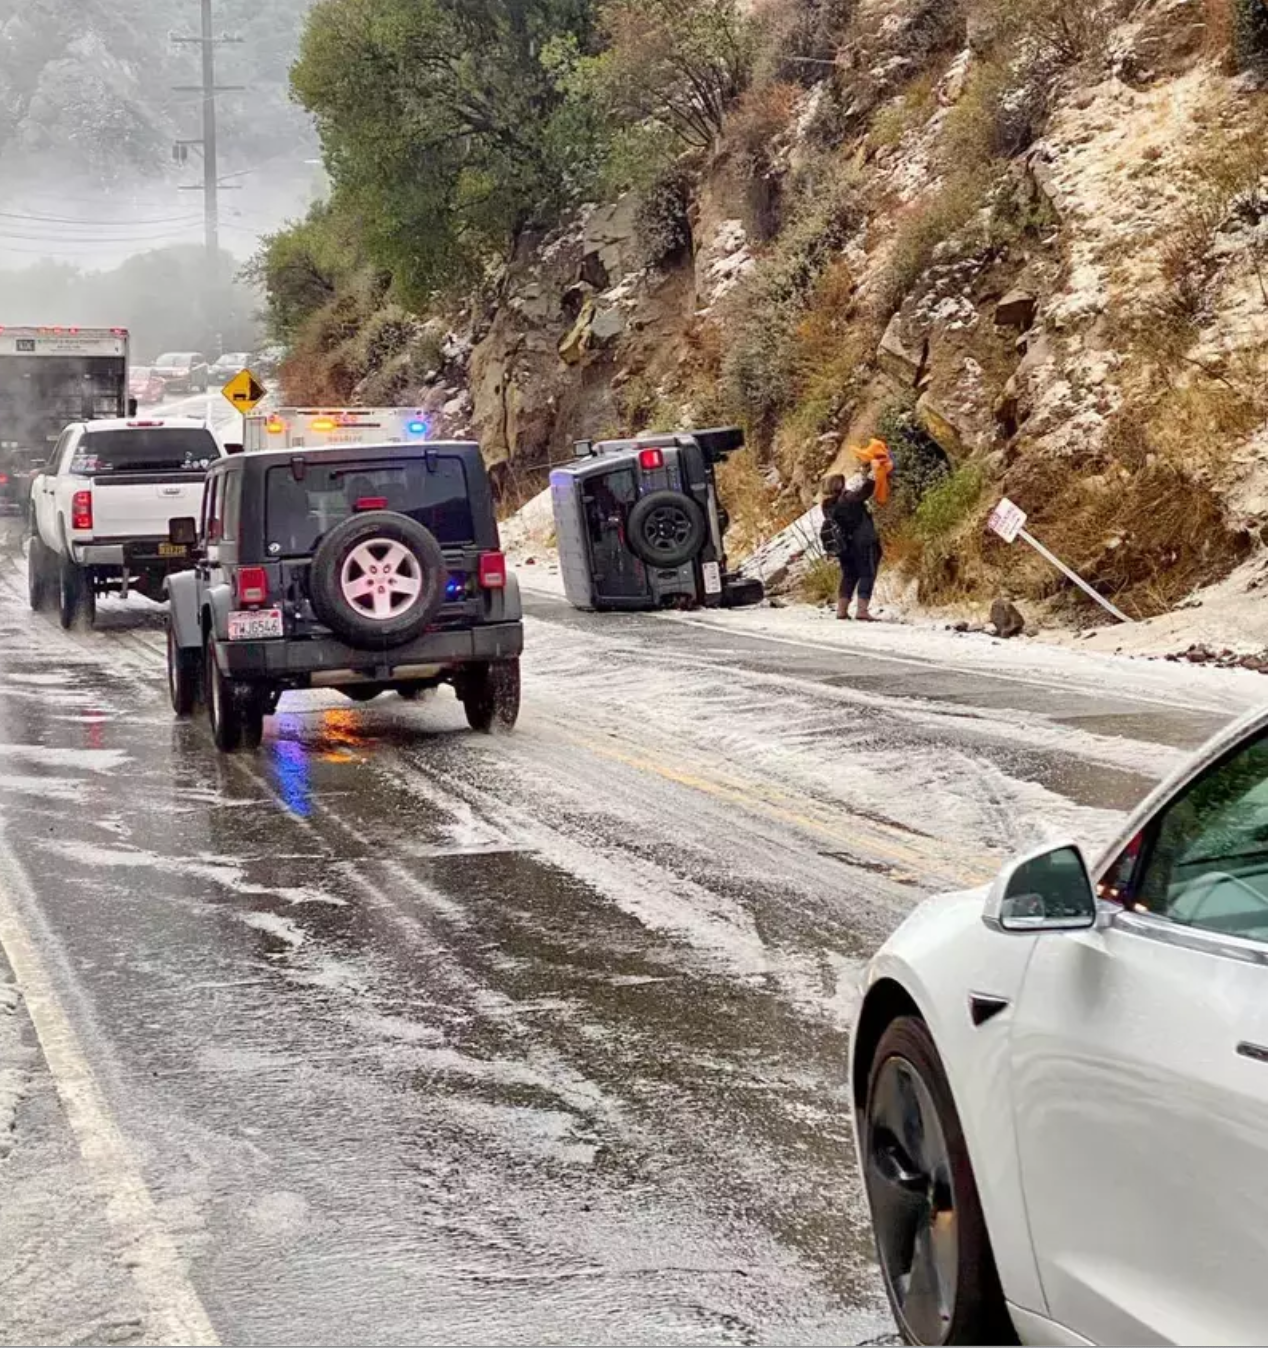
point(931, 1238)
point(182, 674)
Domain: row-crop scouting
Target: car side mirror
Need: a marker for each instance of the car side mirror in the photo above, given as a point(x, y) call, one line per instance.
point(1046, 890)
point(133, 404)
point(183, 531)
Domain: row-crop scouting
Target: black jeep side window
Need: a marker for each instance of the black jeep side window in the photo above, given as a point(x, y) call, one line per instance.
point(231, 507)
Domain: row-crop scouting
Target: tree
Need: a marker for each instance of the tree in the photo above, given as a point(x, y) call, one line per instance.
point(677, 63)
point(438, 119)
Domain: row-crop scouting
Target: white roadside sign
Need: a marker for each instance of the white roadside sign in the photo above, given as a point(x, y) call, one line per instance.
point(1007, 520)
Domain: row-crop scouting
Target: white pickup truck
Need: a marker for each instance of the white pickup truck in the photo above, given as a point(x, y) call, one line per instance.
point(100, 514)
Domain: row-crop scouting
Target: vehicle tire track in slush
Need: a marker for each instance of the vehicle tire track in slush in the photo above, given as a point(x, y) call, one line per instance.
point(652, 1144)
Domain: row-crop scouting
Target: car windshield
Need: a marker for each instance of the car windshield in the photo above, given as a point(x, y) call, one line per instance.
point(175, 358)
point(140, 372)
point(234, 358)
point(299, 513)
point(152, 449)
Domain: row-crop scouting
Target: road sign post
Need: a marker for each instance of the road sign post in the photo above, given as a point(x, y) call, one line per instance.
point(1008, 520)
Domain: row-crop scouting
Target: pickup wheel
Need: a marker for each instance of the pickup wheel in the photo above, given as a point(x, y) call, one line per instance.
point(74, 595)
point(183, 674)
point(235, 708)
point(490, 695)
point(41, 575)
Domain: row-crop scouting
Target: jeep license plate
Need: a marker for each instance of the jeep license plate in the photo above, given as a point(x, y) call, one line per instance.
point(257, 626)
point(712, 578)
point(172, 550)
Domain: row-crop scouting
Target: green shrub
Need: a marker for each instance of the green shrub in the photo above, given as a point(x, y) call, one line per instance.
point(947, 503)
point(663, 223)
point(919, 461)
point(931, 221)
point(385, 335)
point(1250, 34)
point(761, 365)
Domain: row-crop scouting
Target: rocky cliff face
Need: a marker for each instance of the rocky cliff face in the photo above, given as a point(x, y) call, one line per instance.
point(1084, 323)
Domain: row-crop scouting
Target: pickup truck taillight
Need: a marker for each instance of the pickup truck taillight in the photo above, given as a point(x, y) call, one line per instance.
point(492, 571)
point(253, 585)
point(81, 510)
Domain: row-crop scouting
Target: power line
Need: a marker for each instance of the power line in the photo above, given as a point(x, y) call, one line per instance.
point(35, 219)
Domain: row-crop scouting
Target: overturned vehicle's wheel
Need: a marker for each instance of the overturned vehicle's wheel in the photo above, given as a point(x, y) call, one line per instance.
point(666, 528)
point(378, 579)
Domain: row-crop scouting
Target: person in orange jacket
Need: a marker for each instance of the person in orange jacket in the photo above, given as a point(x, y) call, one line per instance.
point(859, 542)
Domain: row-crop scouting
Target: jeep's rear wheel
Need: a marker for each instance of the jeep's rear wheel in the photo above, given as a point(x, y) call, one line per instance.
point(182, 674)
point(490, 695)
point(235, 708)
point(362, 692)
point(378, 580)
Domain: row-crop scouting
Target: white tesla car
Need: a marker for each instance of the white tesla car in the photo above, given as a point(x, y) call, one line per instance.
point(1061, 1083)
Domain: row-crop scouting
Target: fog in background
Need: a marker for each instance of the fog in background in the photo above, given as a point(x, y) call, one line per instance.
point(94, 228)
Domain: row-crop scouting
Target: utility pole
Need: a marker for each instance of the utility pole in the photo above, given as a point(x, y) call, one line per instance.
point(210, 186)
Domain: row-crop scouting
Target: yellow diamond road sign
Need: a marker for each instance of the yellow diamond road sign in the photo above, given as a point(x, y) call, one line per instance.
point(244, 390)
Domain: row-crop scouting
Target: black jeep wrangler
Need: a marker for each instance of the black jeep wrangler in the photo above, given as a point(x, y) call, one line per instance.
point(360, 568)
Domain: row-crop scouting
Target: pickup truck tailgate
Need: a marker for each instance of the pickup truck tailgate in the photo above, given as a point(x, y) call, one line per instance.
point(140, 505)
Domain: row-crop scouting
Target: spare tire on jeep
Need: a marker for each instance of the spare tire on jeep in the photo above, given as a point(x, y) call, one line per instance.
point(378, 579)
point(666, 528)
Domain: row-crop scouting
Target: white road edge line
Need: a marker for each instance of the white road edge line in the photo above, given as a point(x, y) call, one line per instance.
point(175, 1314)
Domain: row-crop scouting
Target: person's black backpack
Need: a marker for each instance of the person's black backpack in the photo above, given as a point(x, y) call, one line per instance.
point(829, 537)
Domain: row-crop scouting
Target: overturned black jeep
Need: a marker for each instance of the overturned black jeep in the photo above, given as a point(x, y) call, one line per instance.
point(639, 524)
point(363, 568)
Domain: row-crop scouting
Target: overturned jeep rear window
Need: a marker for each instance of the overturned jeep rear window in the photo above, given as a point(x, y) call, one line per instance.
point(298, 513)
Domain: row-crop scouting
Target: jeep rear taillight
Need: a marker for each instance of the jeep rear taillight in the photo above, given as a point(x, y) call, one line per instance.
point(650, 459)
point(492, 571)
point(81, 510)
point(253, 585)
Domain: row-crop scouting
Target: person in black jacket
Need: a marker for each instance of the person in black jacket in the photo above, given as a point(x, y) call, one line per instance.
point(859, 544)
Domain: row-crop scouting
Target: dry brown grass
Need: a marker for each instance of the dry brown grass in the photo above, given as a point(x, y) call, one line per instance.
point(760, 116)
point(1218, 15)
point(819, 581)
point(749, 500)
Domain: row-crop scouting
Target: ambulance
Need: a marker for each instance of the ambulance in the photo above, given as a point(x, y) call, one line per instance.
point(324, 428)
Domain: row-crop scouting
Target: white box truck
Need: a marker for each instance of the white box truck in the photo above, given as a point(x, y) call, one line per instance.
point(49, 377)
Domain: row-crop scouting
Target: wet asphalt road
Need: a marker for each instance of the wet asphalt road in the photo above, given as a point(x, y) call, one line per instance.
point(420, 1036)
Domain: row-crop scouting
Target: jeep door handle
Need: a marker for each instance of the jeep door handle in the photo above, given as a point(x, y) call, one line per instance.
point(1255, 1052)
